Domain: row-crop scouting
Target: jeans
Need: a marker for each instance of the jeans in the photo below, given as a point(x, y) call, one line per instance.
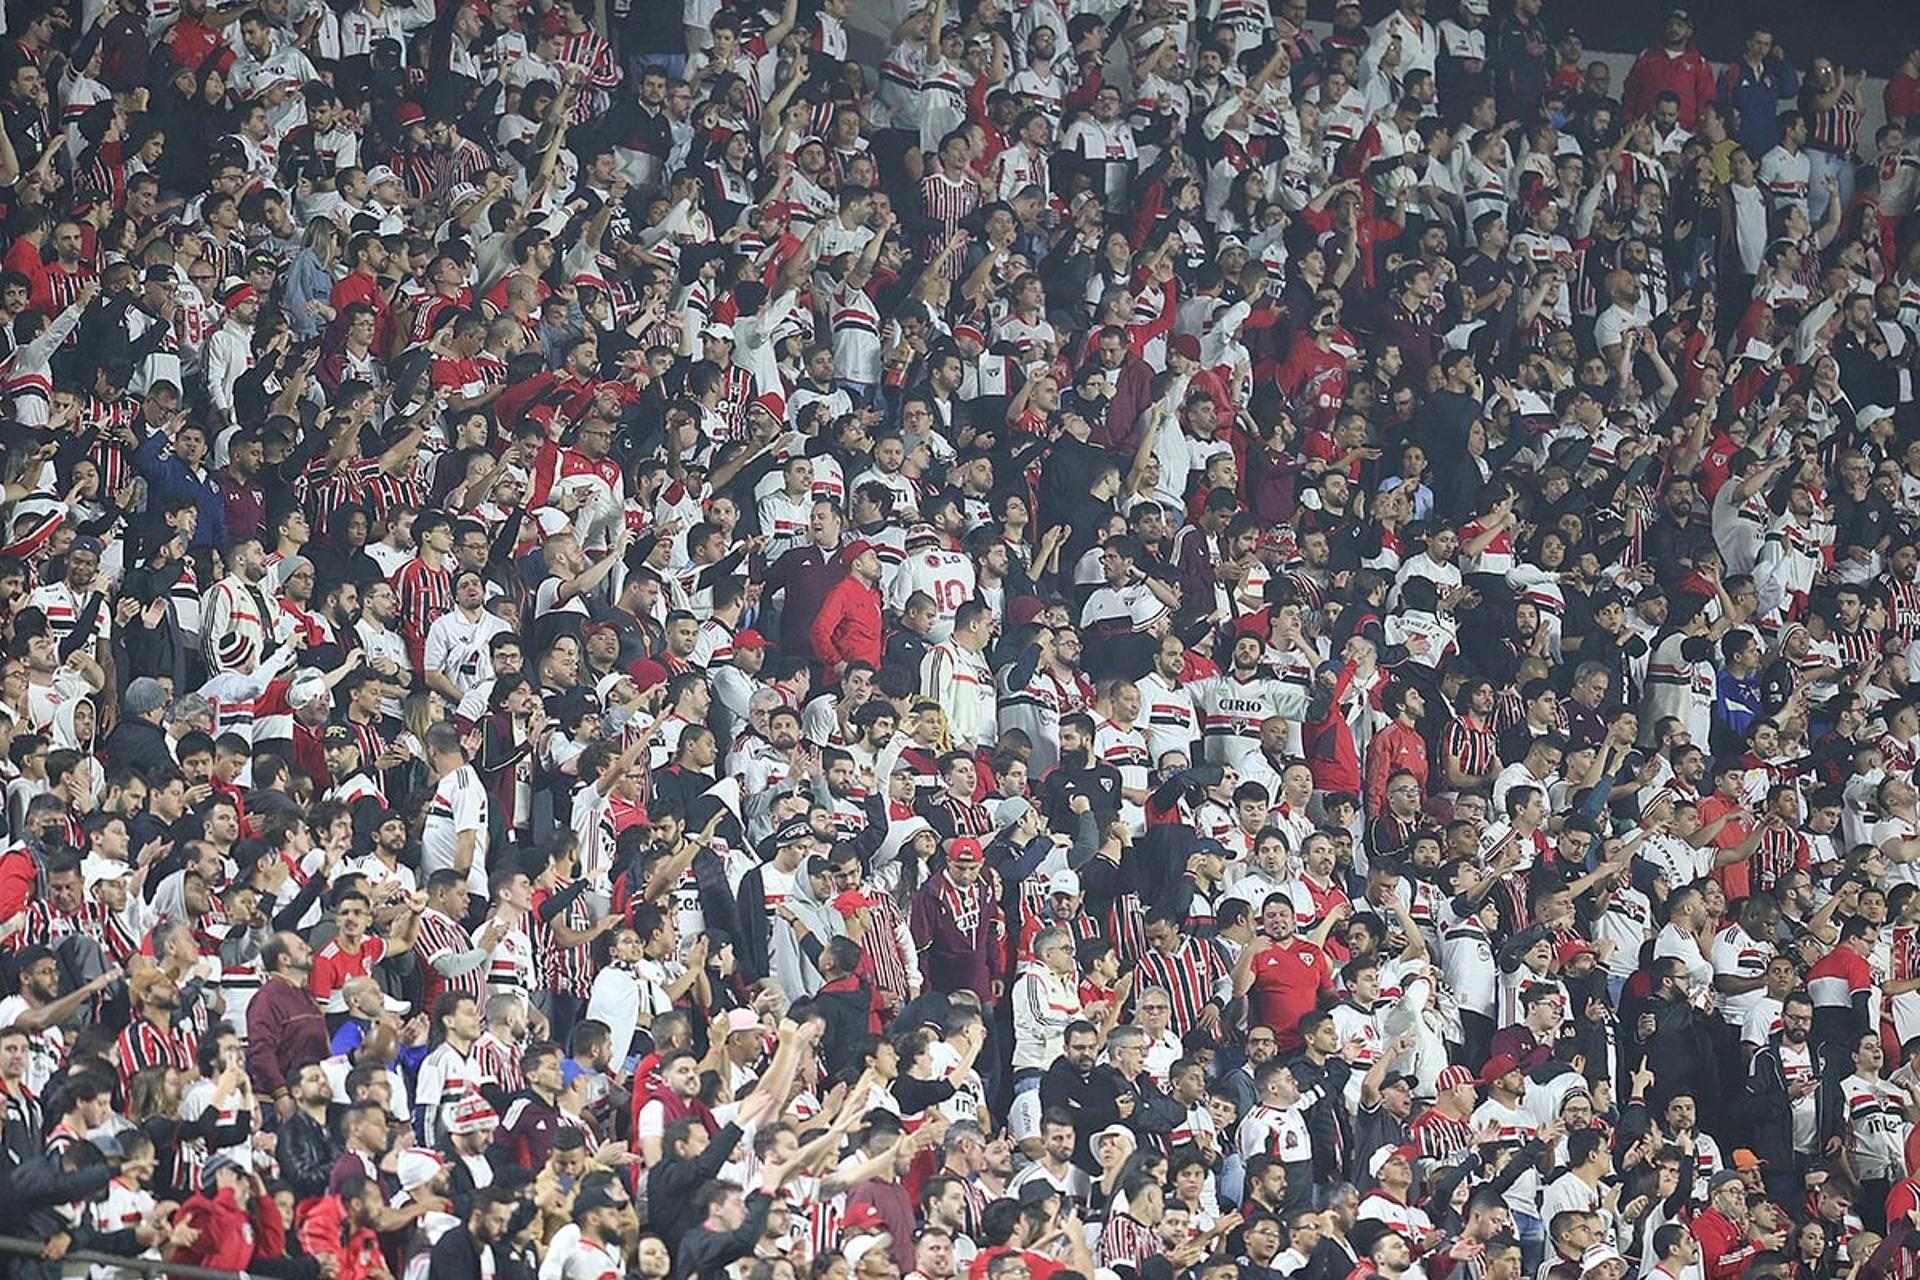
point(1531, 1233)
point(1825, 164)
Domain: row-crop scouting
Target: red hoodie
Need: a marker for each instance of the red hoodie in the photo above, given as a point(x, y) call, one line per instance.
point(231, 1238)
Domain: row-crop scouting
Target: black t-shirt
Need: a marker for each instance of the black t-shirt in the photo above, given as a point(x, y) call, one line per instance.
point(1099, 784)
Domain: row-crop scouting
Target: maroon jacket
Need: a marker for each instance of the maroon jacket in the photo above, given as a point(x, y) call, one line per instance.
point(953, 959)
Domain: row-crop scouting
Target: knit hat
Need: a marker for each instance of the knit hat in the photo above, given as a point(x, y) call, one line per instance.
point(232, 650)
point(471, 1114)
point(415, 1168)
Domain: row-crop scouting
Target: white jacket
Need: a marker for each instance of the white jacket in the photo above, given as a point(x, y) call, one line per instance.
point(1044, 1002)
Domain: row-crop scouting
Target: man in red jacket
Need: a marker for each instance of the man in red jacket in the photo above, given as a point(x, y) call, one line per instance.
point(233, 1234)
point(848, 628)
point(1676, 64)
point(1725, 1247)
point(1397, 747)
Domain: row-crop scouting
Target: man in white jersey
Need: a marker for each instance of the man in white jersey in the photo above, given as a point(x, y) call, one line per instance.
point(1235, 704)
point(455, 834)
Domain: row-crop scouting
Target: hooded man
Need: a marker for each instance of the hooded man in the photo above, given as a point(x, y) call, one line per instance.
point(803, 925)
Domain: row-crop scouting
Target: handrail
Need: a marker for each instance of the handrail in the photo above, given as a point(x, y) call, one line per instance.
point(146, 1266)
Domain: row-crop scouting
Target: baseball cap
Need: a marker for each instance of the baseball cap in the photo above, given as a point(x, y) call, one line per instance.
point(646, 674)
point(965, 849)
point(1724, 1179)
point(749, 639)
point(853, 551)
point(1010, 811)
point(338, 735)
point(597, 1194)
point(381, 173)
point(1064, 883)
point(1573, 950)
point(1378, 1160)
point(1745, 1160)
point(1498, 1065)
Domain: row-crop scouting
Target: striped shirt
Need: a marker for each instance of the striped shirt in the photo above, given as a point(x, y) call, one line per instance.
point(1837, 128)
point(1439, 1136)
point(500, 1060)
point(1475, 746)
point(424, 593)
point(1125, 1243)
point(565, 970)
point(442, 935)
point(948, 202)
point(145, 1044)
point(1191, 976)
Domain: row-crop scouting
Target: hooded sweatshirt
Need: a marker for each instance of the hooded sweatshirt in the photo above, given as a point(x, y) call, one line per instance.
point(793, 958)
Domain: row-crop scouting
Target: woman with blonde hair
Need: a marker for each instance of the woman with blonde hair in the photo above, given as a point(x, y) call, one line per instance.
point(310, 279)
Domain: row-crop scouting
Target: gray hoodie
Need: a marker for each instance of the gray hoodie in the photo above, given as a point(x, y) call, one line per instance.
point(787, 956)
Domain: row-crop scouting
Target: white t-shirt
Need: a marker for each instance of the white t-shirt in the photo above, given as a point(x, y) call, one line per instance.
point(45, 1049)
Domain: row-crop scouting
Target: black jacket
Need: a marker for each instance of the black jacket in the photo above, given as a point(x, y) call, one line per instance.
point(672, 1182)
point(140, 746)
point(456, 1256)
point(306, 1152)
point(1090, 1098)
point(706, 1255)
point(1770, 1106)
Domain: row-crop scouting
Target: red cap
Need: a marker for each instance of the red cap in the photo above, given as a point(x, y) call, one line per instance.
point(774, 403)
point(862, 1217)
point(1187, 345)
point(850, 901)
point(1571, 951)
point(1024, 609)
point(1498, 1065)
point(853, 551)
point(965, 849)
point(647, 673)
point(749, 639)
point(409, 113)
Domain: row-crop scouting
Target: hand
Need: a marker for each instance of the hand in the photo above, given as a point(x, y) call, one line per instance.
point(1124, 1105)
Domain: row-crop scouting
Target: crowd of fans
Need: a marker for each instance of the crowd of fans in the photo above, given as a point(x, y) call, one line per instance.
point(1148, 643)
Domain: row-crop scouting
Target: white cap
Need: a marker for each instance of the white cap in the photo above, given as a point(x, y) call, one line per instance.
point(1066, 882)
point(307, 687)
point(94, 869)
point(1599, 1255)
point(381, 173)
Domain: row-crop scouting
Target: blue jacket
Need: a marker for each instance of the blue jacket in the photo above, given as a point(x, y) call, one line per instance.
point(1757, 97)
point(167, 475)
